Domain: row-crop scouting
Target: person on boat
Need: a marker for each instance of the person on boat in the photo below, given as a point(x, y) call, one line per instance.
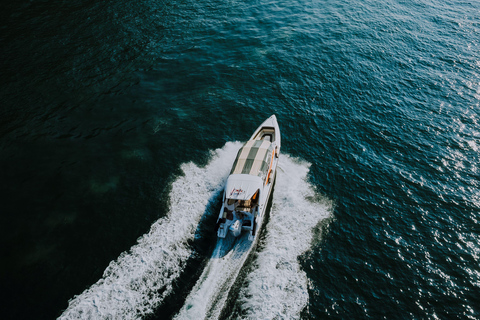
point(231, 204)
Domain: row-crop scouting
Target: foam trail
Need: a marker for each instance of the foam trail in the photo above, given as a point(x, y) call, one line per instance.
point(277, 287)
point(208, 297)
point(138, 281)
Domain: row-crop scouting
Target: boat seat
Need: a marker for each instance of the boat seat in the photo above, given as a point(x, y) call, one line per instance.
point(267, 137)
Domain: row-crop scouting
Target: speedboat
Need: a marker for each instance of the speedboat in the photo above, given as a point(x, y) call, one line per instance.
point(250, 182)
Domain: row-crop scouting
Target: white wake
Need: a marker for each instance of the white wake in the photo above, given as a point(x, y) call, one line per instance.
point(139, 280)
point(207, 299)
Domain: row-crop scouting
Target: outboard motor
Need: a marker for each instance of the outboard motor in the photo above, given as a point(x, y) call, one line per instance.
point(236, 228)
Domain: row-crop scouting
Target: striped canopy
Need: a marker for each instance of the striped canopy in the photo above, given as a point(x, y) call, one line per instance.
point(253, 158)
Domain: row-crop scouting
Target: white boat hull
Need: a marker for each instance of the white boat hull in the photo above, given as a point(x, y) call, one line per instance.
point(250, 183)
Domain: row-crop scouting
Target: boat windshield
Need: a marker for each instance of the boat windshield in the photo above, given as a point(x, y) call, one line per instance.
point(253, 158)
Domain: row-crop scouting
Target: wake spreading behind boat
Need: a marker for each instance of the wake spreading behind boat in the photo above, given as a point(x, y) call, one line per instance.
point(250, 182)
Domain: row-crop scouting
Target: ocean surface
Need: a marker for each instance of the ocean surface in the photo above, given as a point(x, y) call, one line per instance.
point(120, 120)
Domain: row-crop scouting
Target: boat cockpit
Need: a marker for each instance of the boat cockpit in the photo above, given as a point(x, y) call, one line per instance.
point(240, 214)
point(266, 133)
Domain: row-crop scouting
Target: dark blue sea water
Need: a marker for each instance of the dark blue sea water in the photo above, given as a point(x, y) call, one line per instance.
point(119, 121)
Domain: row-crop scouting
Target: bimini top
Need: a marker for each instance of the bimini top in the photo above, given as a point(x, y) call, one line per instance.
point(253, 158)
